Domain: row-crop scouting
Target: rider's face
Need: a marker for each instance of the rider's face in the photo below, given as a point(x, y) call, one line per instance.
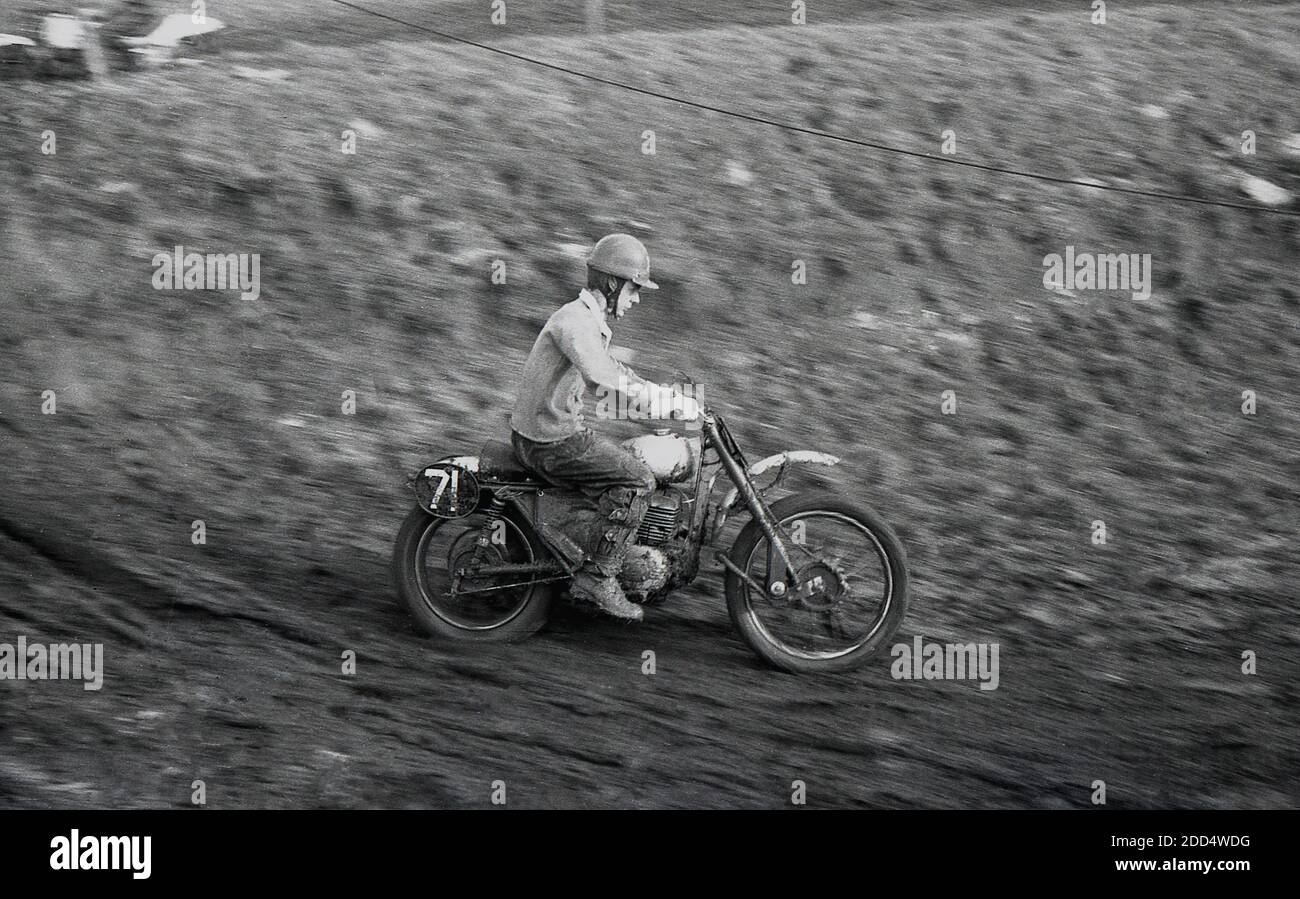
point(629, 296)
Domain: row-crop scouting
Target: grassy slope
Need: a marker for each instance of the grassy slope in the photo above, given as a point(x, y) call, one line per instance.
point(375, 277)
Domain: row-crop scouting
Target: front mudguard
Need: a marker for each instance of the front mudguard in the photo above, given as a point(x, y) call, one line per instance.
point(782, 462)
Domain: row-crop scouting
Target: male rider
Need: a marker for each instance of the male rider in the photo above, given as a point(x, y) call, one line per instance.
point(549, 434)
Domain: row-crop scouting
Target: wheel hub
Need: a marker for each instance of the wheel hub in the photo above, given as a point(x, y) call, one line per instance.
point(820, 587)
point(461, 559)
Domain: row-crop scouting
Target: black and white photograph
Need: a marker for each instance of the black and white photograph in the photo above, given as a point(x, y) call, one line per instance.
point(884, 406)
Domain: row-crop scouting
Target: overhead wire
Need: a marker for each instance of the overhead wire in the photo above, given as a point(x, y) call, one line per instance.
point(817, 132)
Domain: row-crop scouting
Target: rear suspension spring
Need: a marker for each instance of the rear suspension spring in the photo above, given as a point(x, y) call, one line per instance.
point(496, 508)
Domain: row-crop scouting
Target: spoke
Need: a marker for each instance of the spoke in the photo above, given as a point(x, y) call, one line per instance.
point(806, 551)
point(836, 616)
point(828, 622)
point(863, 575)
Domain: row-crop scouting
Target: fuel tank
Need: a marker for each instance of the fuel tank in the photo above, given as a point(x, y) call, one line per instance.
point(673, 458)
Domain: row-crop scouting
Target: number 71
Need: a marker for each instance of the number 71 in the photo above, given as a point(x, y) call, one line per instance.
point(452, 477)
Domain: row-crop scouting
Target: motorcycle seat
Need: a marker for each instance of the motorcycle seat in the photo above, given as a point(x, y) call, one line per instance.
point(497, 462)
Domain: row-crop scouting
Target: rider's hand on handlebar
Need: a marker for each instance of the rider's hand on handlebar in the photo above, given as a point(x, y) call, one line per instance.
point(685, 408)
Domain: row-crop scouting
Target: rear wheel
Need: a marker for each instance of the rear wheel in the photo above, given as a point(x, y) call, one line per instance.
point(428, 552)
point(854, 574)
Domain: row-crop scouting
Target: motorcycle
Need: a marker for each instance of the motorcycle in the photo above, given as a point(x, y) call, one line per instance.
point(813, 581)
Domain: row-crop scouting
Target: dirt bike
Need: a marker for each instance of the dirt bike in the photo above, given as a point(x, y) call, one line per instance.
point(814, 581)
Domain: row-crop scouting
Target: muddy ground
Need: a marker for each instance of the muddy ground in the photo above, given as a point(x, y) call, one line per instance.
point(1119, 662)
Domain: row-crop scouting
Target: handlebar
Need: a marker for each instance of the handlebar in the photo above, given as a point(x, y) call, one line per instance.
point(690, 388)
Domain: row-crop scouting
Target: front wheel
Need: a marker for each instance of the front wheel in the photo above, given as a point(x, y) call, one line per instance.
point(427, 553)
point(854, 595)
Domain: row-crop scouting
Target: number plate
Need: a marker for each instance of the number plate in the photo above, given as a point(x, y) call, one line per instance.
point(447, 490)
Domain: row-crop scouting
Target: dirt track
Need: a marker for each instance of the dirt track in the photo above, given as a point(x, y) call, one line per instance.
point(1118, 664)
point(228, 684)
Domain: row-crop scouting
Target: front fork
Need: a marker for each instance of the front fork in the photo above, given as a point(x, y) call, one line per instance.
point(776, 587)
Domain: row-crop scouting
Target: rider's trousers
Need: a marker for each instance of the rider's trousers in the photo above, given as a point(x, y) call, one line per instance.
point(607, 474)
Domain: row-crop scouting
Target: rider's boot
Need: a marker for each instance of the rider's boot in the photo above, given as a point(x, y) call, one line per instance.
point(592, 586)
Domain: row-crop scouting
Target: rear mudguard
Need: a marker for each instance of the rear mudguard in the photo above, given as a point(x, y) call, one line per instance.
point(782, 462)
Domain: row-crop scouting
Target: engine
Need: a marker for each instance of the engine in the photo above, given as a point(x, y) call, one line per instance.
point(661, 519)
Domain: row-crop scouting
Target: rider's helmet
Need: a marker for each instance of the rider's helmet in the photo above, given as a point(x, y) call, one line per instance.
point(622, 256)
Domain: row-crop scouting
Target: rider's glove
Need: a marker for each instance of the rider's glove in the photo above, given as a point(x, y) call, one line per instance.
point(685, 408)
